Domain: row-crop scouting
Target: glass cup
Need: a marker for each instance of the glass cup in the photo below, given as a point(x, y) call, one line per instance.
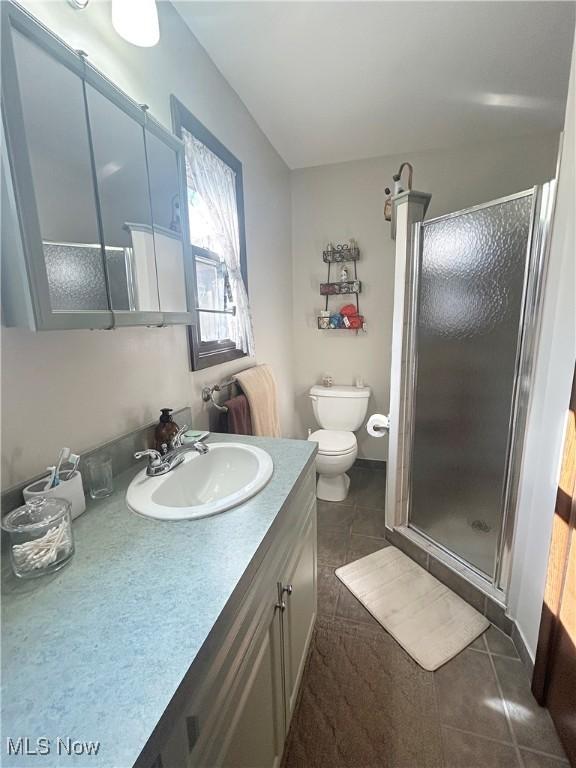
point(100, 479)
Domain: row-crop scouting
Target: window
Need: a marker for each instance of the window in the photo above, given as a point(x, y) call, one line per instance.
point(218, 290)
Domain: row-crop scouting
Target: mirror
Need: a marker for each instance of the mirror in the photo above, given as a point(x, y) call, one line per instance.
point(122, 179)
point(164, 177)
point(59, 153)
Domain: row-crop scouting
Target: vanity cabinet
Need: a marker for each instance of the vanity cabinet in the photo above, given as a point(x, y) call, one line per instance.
point(297, 618)
point(94, 218)
point(256, 734)
point(243, 696)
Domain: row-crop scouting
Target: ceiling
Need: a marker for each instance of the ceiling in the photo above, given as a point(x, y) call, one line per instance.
point(335, 81)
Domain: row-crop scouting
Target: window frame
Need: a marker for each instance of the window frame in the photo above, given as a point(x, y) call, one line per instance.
point(207, 354)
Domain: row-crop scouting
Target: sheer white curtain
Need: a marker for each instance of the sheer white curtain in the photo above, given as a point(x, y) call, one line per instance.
point(215, 182)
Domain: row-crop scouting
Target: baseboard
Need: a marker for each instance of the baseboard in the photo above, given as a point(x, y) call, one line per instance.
point(380, 466)
point(522, 648)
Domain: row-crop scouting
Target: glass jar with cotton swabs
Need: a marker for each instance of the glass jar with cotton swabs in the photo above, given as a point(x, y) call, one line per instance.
point(41, 539)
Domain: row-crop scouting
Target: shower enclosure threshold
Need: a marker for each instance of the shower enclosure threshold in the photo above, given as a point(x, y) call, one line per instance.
point(478, 580)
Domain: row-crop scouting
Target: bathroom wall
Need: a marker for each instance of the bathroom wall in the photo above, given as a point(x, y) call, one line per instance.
point(550, 395)
point(79, 388)
point(337, 202)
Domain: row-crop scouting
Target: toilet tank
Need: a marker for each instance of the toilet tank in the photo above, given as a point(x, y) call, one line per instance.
point(340, 407)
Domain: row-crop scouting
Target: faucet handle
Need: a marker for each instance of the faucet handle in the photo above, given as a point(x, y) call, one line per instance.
point(176, 441)
point(154, 457)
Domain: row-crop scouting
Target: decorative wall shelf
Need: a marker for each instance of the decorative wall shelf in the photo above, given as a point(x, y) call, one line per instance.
point(347, 317)
point(341, 253)
point(334, 289)
point(321, 327)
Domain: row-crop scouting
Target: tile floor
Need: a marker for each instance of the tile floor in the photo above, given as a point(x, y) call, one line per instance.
point(484, 709)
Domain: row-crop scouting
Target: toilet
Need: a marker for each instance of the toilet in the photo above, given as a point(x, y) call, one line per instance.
point(340, 411)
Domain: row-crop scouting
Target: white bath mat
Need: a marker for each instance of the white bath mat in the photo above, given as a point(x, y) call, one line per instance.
point(429, 621)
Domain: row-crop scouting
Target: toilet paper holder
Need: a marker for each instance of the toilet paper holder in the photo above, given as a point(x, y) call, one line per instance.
point(378, 424)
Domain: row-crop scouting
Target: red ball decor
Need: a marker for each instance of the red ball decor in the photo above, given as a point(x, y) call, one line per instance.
point(348, 310)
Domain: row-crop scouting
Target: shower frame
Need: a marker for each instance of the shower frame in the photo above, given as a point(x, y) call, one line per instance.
point(496, 586)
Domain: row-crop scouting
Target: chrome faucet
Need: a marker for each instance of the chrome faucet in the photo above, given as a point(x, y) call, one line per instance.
point(177, 446)
point(176, 441)
point(160, 465)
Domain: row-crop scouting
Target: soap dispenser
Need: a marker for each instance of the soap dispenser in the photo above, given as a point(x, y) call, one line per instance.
point(165, 431)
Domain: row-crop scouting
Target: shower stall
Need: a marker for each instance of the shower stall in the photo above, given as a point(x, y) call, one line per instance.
point(473, 293)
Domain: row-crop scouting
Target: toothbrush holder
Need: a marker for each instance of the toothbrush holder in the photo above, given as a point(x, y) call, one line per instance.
point(70, 489)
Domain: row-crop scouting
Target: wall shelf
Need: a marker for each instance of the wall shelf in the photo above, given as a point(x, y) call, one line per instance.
point(345, 318)
point(341, 253)
point(342, 328)
point(340, 288)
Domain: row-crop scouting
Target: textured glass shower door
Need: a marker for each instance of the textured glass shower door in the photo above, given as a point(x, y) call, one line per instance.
point(471, 280)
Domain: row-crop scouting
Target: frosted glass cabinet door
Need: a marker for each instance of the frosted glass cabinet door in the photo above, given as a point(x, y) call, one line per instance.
point(471, 285)
point(56, 134)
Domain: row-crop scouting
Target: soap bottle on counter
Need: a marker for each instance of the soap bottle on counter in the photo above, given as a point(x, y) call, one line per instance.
point(165, 431)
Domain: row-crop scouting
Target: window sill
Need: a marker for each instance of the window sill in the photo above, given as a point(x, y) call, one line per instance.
point(217, 357)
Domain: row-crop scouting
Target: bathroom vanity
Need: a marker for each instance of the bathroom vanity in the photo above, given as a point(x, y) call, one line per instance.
point(171, 644)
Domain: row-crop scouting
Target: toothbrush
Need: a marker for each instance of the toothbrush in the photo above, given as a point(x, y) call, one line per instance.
point(73, 461)
point(52, 480)
point(64, 456)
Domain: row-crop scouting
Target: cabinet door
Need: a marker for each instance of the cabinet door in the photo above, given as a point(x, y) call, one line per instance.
point(168, 220)
point(257, 729)
point(122, 182)
point(300, 612)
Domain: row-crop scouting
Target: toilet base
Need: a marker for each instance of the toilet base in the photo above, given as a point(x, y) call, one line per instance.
point(332, 487)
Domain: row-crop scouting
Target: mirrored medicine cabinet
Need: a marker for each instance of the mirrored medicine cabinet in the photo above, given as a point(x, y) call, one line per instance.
point(92, 191)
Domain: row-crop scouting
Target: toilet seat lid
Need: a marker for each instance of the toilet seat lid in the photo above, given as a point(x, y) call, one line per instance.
point(334, 441)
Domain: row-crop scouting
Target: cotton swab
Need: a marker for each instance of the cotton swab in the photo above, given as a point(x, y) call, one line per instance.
point(42, 552)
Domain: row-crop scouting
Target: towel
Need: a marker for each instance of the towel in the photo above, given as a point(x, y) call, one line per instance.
point(260, 388)
point(238, 421)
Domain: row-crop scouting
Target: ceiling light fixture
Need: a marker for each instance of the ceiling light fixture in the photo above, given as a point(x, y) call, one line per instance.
point(79, 5)
point(136, 21)
point(511, 101)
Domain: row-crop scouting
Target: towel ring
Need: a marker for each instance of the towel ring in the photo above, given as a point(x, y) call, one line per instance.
point(208, 394)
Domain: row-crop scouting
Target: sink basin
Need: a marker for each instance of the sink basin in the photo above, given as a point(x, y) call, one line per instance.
point(204, 484)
